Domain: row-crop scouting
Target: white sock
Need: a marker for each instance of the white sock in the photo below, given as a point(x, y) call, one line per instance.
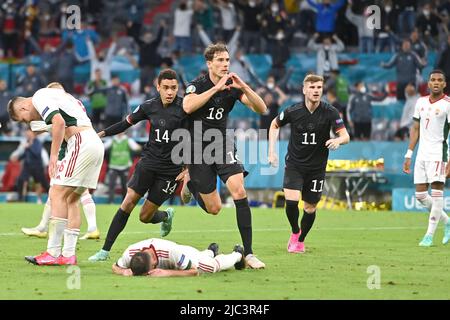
point(89, 211)
point(55, 235)
point(208, 253)
point(227, 261)
point(426, 201)
point(436, 210)
point(70, 242)
point(46, 214)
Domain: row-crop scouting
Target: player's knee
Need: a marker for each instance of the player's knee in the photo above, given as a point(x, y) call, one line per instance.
point(239, 193)
point(214, 208)
point(310, 207)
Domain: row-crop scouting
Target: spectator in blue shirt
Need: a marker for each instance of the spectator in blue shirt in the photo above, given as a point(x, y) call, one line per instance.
point(326, 15)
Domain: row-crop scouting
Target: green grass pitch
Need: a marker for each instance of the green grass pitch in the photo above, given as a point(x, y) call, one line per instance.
point(340, 249)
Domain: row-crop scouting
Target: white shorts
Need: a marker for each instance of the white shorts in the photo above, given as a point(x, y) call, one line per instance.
point(429, 171)
point(83, 161)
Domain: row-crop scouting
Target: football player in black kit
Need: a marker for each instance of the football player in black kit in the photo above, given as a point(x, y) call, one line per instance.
point(155, 172)
point(208, 101)
point(307, 156)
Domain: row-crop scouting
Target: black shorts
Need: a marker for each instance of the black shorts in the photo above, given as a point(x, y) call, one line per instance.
point(309, 183)
point(204, 176)
point(160, 187)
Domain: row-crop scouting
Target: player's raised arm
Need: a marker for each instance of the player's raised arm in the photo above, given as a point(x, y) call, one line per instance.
point(250, 98)
point(192, 101)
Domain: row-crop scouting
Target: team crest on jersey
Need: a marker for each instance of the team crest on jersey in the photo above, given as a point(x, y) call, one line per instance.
point(191, 89)
point(162, 122)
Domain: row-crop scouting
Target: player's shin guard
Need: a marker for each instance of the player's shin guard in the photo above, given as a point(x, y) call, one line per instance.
point(55, 235)
point(244, 221)
point(196, 196)
point(306, 224)
point(292, 214)
point(70, 242)
point(426, 201)
point(89, 211)
point(436, 210)
point(117, 225)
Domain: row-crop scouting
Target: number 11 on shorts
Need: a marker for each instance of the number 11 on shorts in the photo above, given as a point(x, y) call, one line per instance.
point(314, 188)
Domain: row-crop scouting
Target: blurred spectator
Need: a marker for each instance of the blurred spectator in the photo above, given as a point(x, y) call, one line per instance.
point(117, 102)
point(327, 58)
point(332, 99)
point(385, 35)
point(182, 27)
point(135, 15)
point(407, 64)
point(428, 24)
point(418, 46)
point(251, 35)
point(204, 16)
point(102, 61)
point(407, 15)
point(66, 62)
point(27, 84)
point(408, 111)
point(47, 56)
point(79, 39)
point(94, 88)
point(10, 28)
point(326, 15)
point(306, 20)
point(228, 18)
point(149, 58)
point(365, 32)
point(337, 83)
point(5, 96)
point(359, 111)
point(33, 166)
point(278, 33)
point(444, 64)
point(120, 162)
point(30, 13)
point(272, 111)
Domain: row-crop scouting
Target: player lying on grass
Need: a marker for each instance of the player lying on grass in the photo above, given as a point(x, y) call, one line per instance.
point(86, 199)
point(155, 174)
point(163, 258)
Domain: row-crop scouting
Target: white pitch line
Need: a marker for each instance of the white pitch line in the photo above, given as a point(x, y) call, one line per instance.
point(9, 234)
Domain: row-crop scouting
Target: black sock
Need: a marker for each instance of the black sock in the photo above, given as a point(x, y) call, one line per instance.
point(292, 215)
point(244, 221)
point(117, 225)
point(158, 217)
point(196, 195)
point(306, 224)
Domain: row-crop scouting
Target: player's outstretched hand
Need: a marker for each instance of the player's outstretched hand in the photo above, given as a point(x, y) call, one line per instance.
point(101, 134)
point(407, 166)
point(273, 160)
point(332, 144)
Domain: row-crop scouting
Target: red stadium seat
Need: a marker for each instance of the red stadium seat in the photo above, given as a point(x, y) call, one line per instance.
point(392, 88)
point(12, 171)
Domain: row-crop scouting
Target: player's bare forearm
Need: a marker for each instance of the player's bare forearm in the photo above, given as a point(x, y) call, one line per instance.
point(413, 136)
point(253, 100)
point(273, 135)
point(173, 273)
point(58, 131)
point(343, 136)
point(121, 271)
point(193, 102)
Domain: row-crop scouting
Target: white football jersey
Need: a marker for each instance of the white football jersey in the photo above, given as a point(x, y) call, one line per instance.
point(49, 101)
point(434, 120)
point(170, 254)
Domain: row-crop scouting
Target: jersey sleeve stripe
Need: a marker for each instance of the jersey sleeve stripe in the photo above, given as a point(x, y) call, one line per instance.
point(49, 118)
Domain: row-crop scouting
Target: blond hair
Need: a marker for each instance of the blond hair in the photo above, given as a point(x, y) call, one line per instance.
point(55, 85)
point(312, 78)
